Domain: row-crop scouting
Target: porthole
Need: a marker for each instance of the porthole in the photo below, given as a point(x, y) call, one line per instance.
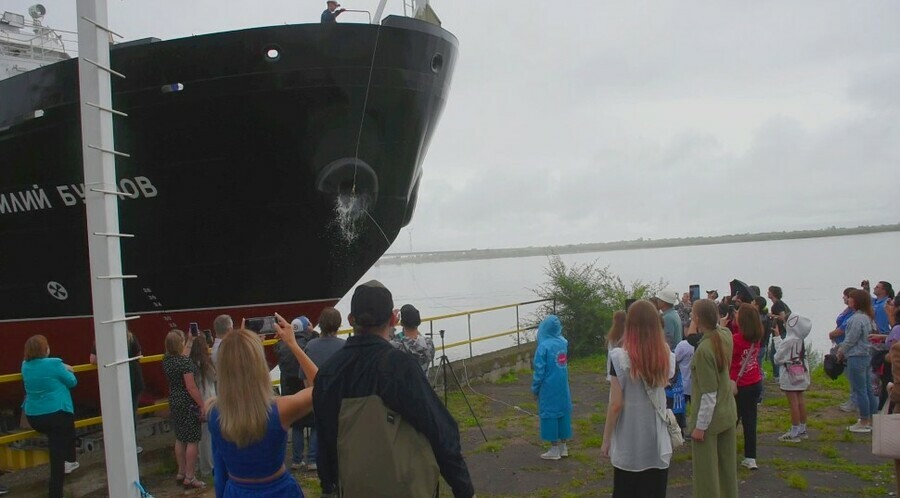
point(272, 54)
point(437, 62)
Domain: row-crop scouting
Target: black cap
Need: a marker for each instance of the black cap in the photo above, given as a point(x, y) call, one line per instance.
point(409, 316)
point(372, 304)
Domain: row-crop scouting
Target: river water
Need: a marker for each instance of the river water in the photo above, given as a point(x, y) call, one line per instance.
point(812, 272)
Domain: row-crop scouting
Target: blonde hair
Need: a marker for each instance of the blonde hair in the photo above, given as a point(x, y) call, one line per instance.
point(614, 336)
point(175, 342)
point(244, 388)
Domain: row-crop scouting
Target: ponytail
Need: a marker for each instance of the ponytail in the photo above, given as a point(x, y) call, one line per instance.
point(718, 349)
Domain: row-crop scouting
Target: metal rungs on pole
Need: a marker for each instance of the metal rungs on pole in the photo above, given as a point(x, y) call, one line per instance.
point(122, 362)
point(117, 320)
point(104, 68)
point(114, 192)
point(102, 215)
point(110, 234)
point(102, 27)
point(109, 151)
point(107, 109)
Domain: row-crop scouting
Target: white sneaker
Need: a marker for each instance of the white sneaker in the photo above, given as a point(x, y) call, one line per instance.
point(72, 467)
point(803, 435)
point(564, 450)
point(788, 438)
point(859, 428)
point(553, 454)
point(750, 463)
point(848, 406)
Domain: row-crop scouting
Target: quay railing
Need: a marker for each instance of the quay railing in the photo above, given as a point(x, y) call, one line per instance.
point(522, 325)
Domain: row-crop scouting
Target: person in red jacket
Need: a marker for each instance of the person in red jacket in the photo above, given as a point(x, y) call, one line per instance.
point(745, 371)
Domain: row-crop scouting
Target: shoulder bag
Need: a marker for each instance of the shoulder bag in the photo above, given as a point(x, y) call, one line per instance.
point(668, 418)
point(734, 389)
point(886, 434)
point(796, 370)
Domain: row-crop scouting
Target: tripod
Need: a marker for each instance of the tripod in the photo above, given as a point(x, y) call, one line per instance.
point(445, 365)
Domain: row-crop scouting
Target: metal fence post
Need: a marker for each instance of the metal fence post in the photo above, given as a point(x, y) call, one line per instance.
point(469, 318)
point(431, 329)
point(518, 327)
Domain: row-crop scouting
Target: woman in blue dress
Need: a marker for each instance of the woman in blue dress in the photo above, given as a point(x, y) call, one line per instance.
point(248, 424)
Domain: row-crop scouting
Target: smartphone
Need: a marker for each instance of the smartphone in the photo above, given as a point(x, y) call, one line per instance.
point(261, 325)
point(207, 334)
point(629, 302)
point(195, 329)
point(695, 292)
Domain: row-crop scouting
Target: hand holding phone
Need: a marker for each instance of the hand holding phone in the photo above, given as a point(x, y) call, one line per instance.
point(284, 330)
point(695, 292)
point(195, 329)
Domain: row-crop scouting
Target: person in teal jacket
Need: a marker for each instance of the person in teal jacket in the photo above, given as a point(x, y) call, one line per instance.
point(551, 386)
point(48, 406)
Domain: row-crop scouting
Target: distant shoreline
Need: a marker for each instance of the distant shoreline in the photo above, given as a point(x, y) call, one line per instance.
point(520, 252)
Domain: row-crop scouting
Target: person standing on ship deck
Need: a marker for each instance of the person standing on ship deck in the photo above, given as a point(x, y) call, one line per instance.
point(329, 16)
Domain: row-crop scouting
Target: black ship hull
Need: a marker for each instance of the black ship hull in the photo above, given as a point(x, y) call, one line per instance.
point(270, 169)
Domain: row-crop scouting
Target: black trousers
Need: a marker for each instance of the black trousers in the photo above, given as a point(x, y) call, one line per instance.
point(887, 375)
point(650, 483)
point(60, 430)
point(746, 399)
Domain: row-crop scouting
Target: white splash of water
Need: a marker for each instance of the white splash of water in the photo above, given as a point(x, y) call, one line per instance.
point(349, 210)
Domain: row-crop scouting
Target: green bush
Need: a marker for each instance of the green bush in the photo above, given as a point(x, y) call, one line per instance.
point(584, 297)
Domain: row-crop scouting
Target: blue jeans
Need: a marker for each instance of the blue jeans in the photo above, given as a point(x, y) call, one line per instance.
point(297, 436)
point(859, 373)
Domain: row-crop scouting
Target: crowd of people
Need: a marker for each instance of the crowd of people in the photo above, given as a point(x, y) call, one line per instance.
point(245, 444)
point(364, 407)
point(712, 352)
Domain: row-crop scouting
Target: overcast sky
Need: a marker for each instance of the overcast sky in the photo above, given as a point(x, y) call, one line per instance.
point(592, 121)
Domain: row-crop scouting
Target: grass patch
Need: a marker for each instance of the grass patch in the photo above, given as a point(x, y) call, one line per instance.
point(592, 442)
point(829, 451)
point(510, 377)
point(797, 481)
point(595, 364)
point(490, 447)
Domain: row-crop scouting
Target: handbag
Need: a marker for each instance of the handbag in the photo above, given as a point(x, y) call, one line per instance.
point(668, 419)
point(797, 371)
point(832, 366)
point(886, 434)
point(734, 388)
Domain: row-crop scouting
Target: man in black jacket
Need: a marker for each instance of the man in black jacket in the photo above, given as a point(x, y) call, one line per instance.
point(369, 366)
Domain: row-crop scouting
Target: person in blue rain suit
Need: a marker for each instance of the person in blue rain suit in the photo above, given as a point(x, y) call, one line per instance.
point(551, 386)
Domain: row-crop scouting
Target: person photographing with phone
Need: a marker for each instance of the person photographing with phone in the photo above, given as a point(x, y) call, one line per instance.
point(248, 424)
point(329, 16)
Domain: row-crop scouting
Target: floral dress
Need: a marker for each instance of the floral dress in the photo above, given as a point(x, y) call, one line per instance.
point(184, 414)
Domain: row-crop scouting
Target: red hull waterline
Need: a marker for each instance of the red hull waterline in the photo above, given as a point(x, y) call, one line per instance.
point(72, 338)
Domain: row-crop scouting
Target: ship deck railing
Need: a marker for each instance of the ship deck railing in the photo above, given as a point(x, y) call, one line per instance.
point(40, 46)
point(524, 324)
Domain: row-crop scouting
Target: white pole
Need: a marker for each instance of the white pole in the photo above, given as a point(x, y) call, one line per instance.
point(105, 257)
point(379, 11)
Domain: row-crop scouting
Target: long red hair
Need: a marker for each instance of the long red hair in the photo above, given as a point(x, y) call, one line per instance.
point(646, 345)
